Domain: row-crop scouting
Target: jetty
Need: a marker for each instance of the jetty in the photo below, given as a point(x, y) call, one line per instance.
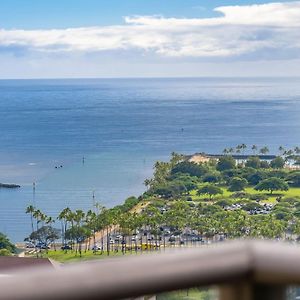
point(204, 157)
point(9, 186)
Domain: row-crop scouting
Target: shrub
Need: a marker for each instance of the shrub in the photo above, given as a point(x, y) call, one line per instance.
point(294, 179)
point(264, 164)
point(190, 168)
point(226, 163)
point(250, 205)
point(253, 162)
point(6, 244)
point(240, 195)
point(256, 177)
point(211, 177)
point(277, 163)
point(5, 252)
point(277, 173)
point(237, 184)
point(210, 189)
point(223, 203)
point(272, 184)
point(290, 200)
point(258, 197)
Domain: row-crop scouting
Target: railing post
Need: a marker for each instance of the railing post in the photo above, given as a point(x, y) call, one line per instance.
point(236, 291)
point(246, 290)
point(269, 292)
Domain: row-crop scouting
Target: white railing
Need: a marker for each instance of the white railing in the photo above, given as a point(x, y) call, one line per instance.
point(242, 270)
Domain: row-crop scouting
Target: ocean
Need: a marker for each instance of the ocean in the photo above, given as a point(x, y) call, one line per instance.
point(121, 127)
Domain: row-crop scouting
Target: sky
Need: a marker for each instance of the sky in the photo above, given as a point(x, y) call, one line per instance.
point(148, 38)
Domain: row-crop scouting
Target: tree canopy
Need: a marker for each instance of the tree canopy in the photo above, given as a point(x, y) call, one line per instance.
point(272, 184)
point(190, 168)
point(45, 235)
point(210, 189)
point(237, 184)
point(253, 162)
point(226, 163)
point(5, 244)
point(294, 179)
point(277, 163)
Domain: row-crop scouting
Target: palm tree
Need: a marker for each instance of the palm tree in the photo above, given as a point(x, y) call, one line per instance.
point(175, 158)
point(63, 217)
point(70, 218)
point(78, 219)
point(230, 150)
point(91, 223)
point(147, 183)
point(281, 150)
point(264, 150)
point(30, 210)
point(243, 148)
point(142, 222)
point(43, 218)
point(297, 150)
point(49, 221)
point(289, 152)
point(37, 215)
point(238, 148)
point(104, 220)
point(135, 225)
point(254, 149)
point(225, 151)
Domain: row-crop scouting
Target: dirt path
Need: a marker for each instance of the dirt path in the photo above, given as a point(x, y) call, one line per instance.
point(103, 233)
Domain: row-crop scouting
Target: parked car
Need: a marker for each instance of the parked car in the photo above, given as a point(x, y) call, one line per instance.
point(30, 245)
point(118, 238)
point(96, 248)
point(42, 246)
point(197, 239)
point(66, 247)
point(172, 239)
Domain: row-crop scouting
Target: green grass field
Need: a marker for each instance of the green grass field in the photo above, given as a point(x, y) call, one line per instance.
point(71, 256)
point(190, 294)
point(292, 192)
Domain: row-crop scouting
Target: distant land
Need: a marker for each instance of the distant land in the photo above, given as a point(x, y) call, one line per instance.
point(9, 186)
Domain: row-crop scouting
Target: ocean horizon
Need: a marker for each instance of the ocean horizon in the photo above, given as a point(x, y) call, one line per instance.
point(121, 127)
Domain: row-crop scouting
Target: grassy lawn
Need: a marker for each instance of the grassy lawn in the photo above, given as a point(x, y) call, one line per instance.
point(191, 294)
point(195, 197)
point(292, 192)
point(71, 256)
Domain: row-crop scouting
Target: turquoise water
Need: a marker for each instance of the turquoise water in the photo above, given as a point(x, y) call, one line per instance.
point(122, 127)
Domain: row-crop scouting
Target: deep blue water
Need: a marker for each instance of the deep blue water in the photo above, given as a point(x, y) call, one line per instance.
point(121, 127)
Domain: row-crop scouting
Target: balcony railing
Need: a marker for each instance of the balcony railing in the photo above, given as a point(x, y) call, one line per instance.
point(242, 270)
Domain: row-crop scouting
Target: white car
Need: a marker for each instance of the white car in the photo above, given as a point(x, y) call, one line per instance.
point(97, 248)
point(30, 245)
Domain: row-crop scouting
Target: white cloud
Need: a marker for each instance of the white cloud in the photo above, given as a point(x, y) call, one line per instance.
point(266, 29)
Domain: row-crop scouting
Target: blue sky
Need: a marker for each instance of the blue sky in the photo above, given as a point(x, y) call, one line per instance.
point(33, 14)
point(148, 38)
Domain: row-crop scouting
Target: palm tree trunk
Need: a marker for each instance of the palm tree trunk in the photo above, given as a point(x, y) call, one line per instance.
point(62, 234)
point(107, 241)
point(31, 217)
